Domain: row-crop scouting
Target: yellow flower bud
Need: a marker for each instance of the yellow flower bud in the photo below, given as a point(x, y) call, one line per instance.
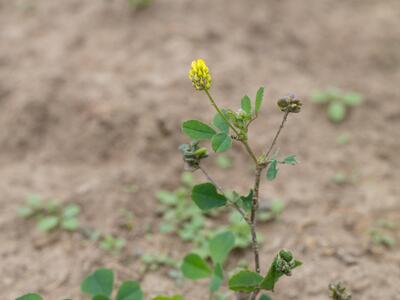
point(199, 75)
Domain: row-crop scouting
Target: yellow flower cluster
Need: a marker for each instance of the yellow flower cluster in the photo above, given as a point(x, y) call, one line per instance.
point(199, 75)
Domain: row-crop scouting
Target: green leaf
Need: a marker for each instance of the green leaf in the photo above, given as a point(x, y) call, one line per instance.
point(194, 267)
point(47, 223)
point(206, 197)
point(30, 297)
point(71, 210)
point(175, 297)
point(100, 297)
point(220, 123)
point(221, 142)
point(247, 201)
point(246, 104)
point(167, 198)
point(130, 290)
point(352, 99)
point(100, 282)
point(70, 224)
point(217, 278)
point(272, 170)
point(259, 99)
point(265, 297)
point(336, 111)
point(290, 160)
point(34, 201)
point(220, 246)
point(245, 281)
point(320, 97)
point(25, 211)
point(197, 130)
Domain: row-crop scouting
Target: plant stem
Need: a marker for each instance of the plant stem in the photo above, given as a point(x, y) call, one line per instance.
point(233, 204)
point(243, 141)
point(277, 135)
point(253, 220)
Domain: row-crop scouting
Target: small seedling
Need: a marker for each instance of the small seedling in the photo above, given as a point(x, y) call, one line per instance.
point(112, 243)
point(338, 102)
point(380, 233)
point(51, 215)
point(337, 291)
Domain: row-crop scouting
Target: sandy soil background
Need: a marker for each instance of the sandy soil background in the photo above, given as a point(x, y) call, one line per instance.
point(92, 94)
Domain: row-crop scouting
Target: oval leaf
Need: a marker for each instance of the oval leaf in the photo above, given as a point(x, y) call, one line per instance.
point(194, 267)
point(352, 99)
point(220, 246)
point(245, 281)
point(99, 282)
point(130, 290)
point(47, 223)
point(259, 99)
point(336, 111)
point(206, 197)
point(272, 170)
point(220, 123)
point(246, 104)
point(221, 142)
point(197, 130)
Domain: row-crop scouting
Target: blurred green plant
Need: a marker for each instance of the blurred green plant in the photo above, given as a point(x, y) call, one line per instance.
point(139, 4)
point(50, 214)
point(338, 291)
point(381, 233)
point(112, 243)
point(338, 102)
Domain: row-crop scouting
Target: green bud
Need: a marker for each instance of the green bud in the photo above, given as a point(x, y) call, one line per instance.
point(286, 255)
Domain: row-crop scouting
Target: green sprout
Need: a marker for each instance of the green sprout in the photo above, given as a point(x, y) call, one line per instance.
point(50, 214)
point(338, 102)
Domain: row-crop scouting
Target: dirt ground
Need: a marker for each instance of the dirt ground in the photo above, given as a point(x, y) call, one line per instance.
point(92, 94)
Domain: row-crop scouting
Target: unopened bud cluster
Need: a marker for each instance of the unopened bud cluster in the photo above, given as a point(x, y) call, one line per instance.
point(192, 154)
point(290, 104)
point(285, 262)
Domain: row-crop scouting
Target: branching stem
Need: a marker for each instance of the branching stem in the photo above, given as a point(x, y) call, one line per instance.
point(260, 165)
point(243, 141)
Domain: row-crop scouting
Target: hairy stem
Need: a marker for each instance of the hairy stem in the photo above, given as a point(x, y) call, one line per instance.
point(253, 220)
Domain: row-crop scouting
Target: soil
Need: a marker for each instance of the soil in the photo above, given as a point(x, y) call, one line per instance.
point(92, 94)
